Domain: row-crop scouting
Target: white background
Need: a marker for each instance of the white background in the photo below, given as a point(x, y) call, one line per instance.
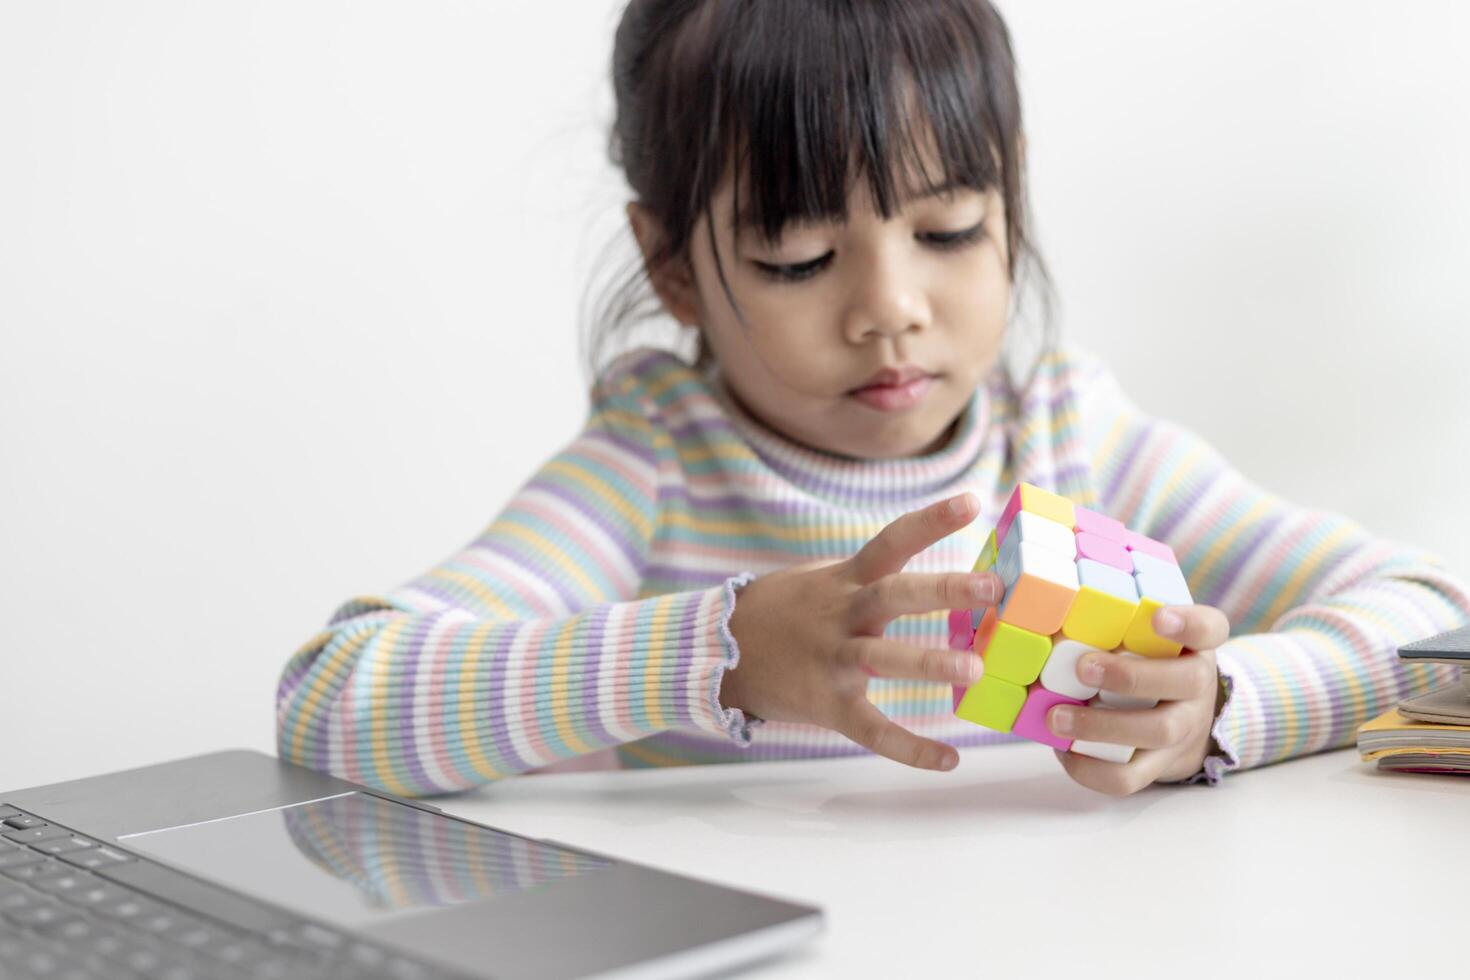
point(289, 294)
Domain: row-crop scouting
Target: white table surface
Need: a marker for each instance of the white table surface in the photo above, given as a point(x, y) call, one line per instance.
point(1003, 867)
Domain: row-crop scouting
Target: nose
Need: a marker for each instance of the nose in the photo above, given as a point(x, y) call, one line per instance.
point(887, 300)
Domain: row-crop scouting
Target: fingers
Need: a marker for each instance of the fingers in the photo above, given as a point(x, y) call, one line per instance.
point(870, 728)
point(891, 548)
point(903, 593)
point(1195, 627)
point(1114, 779)
point(1169, 724)
point(1172, 736)
point(893, 658)
point(1179, 678)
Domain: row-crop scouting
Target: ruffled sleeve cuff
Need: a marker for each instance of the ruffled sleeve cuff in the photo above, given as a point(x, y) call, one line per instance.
point(722, 653)
point(1220, 756)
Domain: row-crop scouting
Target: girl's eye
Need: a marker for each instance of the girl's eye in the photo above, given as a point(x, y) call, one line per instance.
point(954, 239)
point(797, 271)
point(942, 240)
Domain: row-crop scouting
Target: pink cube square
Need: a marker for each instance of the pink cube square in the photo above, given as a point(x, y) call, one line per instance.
point(1091, 522)
point(961, 630)
point(1012, 508)
point(1147, 545)
point(1100, 549)
point(1031, 723)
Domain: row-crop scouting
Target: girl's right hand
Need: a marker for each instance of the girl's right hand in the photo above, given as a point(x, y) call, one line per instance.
point(811, 636)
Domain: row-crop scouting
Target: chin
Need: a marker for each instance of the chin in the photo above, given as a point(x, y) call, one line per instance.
point(901, 442)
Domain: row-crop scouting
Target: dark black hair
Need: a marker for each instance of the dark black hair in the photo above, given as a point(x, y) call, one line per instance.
point(800, 97)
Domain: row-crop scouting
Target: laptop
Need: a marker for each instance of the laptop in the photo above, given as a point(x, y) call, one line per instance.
point(1444, 705)
point(238, 865)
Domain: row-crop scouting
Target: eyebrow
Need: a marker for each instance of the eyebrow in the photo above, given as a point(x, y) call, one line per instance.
point(747, 217)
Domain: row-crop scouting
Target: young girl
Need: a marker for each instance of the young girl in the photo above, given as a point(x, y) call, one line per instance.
point(750, 556)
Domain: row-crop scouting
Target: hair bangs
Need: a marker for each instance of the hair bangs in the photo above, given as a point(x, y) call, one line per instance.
point(824, 93)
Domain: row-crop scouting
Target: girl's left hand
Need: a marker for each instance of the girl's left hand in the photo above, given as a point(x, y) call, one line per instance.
point(1173, 736)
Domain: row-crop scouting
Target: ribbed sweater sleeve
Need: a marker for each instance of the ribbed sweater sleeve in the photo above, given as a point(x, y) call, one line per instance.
point(533, 643)
point(1318, 606)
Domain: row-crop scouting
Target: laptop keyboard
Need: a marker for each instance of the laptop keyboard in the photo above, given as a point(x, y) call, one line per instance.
point(62, 916)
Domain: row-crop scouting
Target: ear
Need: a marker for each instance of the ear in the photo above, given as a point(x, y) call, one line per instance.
point(673, 281)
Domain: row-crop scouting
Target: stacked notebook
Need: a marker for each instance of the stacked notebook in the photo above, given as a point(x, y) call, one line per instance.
point(1431, 732)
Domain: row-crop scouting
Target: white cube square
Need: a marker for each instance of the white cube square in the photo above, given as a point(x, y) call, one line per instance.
point(1033, 528)
point(1106, 751)
point(1059, 673)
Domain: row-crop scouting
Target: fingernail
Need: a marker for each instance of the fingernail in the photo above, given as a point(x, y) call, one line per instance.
point(949, 762)
point(969, 667)
point(1090, 671)
point(1063, 720)
point(960, 505)
point(1168, 622)
point(982, 587)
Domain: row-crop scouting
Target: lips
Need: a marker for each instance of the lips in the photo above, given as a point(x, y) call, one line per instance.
point(894, 389)
point(894, 377)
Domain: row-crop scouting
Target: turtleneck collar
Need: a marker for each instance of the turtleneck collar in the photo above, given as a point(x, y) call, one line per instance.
point(880, 484)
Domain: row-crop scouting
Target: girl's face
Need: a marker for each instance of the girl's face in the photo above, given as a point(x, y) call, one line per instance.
point(864, 339)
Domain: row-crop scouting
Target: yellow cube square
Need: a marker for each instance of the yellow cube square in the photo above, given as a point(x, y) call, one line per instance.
point(1140, 637)
point(1044, 503)
point(992, 702)
point(1098, 618)
point(987, 558)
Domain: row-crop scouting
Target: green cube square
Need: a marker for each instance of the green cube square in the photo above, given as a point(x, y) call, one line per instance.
point(993, 703)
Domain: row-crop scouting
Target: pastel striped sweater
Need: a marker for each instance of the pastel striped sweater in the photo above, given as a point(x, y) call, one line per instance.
point(592, 612)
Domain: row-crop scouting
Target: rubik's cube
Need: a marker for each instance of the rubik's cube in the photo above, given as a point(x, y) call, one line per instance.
point(1075, 581)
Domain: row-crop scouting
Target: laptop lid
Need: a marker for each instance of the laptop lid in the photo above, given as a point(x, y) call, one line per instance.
point(247, 839)
point(1451, 647)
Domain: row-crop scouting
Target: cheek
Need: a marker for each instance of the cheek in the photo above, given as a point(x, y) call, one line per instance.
point(784, 333)
point(765, 310)
point(976, 301)
point(787, 328)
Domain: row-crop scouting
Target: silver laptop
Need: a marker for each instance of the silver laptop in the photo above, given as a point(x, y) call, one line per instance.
point(238, 865)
